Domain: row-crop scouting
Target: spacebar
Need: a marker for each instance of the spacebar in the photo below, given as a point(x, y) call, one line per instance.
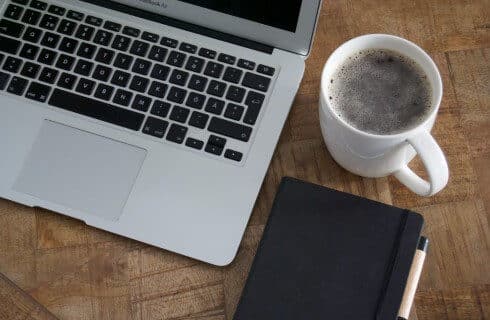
point(96, 109)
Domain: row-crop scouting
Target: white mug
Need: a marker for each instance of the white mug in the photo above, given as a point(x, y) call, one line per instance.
point(372, 155)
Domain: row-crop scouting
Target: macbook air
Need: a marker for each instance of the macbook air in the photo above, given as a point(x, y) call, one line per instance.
point(155, 120)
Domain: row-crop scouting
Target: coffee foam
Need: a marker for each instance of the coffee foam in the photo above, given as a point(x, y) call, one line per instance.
point(380, 92)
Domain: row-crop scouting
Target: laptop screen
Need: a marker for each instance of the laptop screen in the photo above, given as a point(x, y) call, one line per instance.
point(282, 14)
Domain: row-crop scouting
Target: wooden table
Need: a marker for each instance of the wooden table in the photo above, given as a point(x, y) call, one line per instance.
point(55, 267)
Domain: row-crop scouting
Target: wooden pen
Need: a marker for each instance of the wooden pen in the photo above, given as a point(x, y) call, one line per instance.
point(413, 279)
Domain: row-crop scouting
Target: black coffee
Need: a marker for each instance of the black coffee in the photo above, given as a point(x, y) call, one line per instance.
point(381, 92)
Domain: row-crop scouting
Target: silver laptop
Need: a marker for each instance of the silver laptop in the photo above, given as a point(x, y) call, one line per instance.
point(155, 120)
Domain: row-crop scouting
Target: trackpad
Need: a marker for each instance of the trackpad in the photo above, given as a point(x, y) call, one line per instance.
point(80, 170)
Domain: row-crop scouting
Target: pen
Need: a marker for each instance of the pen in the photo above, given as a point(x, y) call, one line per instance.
point(413, 278)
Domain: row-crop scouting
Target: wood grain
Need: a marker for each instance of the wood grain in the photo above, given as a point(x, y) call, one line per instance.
point(55, 267)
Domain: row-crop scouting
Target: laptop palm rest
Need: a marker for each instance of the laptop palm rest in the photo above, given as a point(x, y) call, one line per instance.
point(80, 170)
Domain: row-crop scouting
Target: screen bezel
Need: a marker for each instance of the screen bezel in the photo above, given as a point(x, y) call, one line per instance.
point(297, 42)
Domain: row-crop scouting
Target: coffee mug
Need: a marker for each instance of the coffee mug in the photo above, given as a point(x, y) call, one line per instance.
point(372, 155)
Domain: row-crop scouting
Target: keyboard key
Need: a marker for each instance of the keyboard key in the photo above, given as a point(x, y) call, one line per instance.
point(56, 10)
point(17, 86)
point(194, 143)
point(233, 155)
point(226, 58)
point(84, 32)
point(139, 48)
point(195, 64)
point(176, 59)
point(50, 40)
point(217, 141)
point(172, 43)
point(101, 73)
point(139, 84)
point(130, 31)
point(75, 15)
point(49, 22)
point(211, 148)
point(67, 81)
point(176, 95)
point(13, 12)
point(195, 100)
point(120, 78)
point(187, 47)
point(10, 28)
point(213, 69)
point(246, 64)
point(9, 45)
point(4, 78)
point(216, 88)
point(12, 64)
point(179, 114)
point(38, 92)
point(198, 120)
point(157, 89)
point(265, 70)
point(160, 108)
point(103, 37)
point(29, 51)
point(23, 2)
point(176, 133)
point(86, 50)
point(214, 106)
point(104, 92)
point(93, 21)
point(85, 86)
point(207, 53)
point(32, 35)
point(157, 53)
point(30, 70)
point(123, 61)
point(83, 67)
point(65, 62)
point(96, 109)
point(234, 111)
point(104, 56)
point(254, 102)
point(179, 77)
point(31, 16)
point(141, 103)
point(197, 83)
point(148, 36)
point(232, 75)
point(122, 97)
point(230, 129)
point(112, 26)
point(67, 27)
point(47, 56)
point(160, 72)
point(256, 82)
point(235, 94)
point(141, 66)
point(68, 45)
point(40, 5)
point(155, 127)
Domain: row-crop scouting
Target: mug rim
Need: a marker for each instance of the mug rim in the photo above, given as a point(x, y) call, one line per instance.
point(324, 103)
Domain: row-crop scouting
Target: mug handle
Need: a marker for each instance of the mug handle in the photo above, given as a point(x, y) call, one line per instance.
point(435, 164)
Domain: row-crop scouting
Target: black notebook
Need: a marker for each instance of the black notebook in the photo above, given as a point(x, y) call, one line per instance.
point(330, 255)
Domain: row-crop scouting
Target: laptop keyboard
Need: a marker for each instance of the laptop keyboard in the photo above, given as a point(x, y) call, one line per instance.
point(164, 88)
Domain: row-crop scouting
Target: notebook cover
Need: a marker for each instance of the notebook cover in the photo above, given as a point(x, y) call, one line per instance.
point(330, 255)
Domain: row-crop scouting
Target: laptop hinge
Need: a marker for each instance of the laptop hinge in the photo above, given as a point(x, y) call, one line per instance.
point(182, 25)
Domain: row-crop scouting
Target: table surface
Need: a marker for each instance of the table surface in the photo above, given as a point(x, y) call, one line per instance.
point(55, 267)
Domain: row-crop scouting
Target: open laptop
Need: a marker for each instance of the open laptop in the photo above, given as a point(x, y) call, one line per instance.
point(151, 119)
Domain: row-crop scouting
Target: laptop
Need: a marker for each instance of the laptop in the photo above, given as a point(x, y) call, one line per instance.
point(155, 120)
